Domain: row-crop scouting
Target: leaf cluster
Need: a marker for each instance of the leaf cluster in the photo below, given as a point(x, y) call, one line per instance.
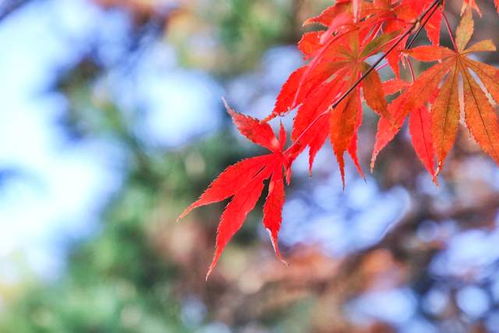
point(329, 90)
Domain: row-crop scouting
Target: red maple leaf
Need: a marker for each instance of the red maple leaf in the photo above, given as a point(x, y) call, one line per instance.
point(243, 183)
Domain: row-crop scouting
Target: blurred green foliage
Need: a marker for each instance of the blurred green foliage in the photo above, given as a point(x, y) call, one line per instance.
point(117, 281)
point(228, 37)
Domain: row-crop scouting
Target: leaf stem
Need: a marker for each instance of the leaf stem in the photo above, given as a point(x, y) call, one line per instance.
point(449, 30)
point(411, 69)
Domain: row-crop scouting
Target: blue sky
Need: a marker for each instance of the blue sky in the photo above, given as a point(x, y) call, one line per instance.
point(60, 186)
point(35, 206)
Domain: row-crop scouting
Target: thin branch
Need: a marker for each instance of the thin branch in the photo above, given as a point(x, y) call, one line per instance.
point(411, 69)
point(432, 8)
point(449, 30)
point(415, 36)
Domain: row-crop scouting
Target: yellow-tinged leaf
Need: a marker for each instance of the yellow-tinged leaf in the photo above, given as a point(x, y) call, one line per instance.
point(374, 94)
point(445, 117)
point(421, 90)
point(482, 46)
point(464, 30)
point(489, 76)
point(414, 97)
point(480, 116)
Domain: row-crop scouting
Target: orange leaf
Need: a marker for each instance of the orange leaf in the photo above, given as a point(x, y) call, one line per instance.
point(488, 75)
point(393, 86)
point(464, 31)
point(480, 116)
point(414, 97)
point(445, 118)
point(374, 95)
point(482, 46)
point(430, 53)
point(343, 122)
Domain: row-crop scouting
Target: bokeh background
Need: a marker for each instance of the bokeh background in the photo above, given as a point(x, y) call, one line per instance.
point(111, 123)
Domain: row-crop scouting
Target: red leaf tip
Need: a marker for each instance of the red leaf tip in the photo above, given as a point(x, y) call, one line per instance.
point(275, 245)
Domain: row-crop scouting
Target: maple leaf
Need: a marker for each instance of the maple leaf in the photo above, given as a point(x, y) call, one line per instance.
point(382, 22)
point(338, 60)
point(272, 209)
point(316, 86)
point(442, 83)
point(243, 183)
point(344, 122)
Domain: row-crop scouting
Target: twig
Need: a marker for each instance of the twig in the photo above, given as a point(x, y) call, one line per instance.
point(447, 26)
